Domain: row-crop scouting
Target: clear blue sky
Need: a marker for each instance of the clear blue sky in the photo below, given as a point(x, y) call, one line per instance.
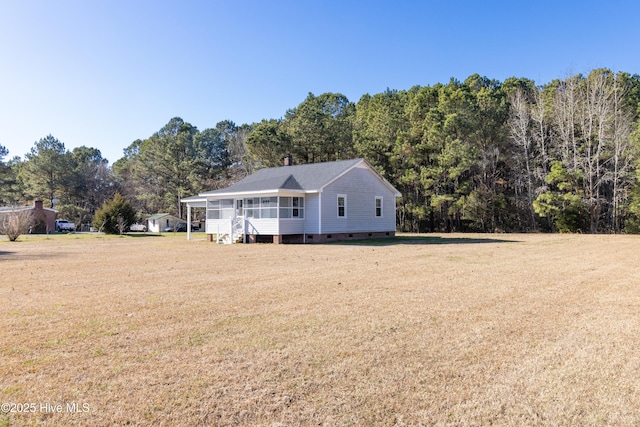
point(103, 73)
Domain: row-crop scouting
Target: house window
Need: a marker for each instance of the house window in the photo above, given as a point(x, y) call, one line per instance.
point(378, 207)
point(291, 207)
point(342, 205)
point(297, 211)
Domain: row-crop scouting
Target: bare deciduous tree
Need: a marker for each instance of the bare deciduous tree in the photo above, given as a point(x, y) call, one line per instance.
point(519, 125)
point(565, 107)
point(621, 170)
point(15, 223)
point(540, 132)
point(121, 224)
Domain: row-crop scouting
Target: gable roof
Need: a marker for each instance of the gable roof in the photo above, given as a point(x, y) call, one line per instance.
point(161, 215)
point(4, 209)
point(308, 178)
point(15, 208)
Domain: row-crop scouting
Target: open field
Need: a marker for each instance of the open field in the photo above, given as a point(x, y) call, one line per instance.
point(431, 330)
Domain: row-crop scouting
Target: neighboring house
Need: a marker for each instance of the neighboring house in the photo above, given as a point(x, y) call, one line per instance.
point(308, 203)
point(158, 222)
point(43, 220)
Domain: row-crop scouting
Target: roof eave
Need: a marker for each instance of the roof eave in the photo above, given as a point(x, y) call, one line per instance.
point(250, 193)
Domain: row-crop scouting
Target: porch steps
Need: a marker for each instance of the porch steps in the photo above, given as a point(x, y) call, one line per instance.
point(236, 233)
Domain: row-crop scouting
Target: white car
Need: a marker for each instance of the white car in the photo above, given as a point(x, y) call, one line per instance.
point(138, 227)
point(64, 225)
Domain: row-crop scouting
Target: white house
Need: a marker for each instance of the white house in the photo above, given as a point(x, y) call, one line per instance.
point(158, 222)
point(308, 203)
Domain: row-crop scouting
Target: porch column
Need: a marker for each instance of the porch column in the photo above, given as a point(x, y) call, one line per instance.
point(188, 221)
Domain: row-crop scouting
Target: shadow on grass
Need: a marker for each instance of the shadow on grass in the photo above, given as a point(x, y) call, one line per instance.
point(12, 256)
point(137, 235)
point(421, 240)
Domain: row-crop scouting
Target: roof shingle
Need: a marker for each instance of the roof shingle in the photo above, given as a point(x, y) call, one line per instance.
point(307, 177)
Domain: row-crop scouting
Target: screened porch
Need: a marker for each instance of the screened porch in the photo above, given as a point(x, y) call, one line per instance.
point(268, 207)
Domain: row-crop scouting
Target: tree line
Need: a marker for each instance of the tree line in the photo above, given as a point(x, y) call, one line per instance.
point(473, 155)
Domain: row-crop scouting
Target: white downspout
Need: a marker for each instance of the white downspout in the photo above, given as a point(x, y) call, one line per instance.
point(320, 212)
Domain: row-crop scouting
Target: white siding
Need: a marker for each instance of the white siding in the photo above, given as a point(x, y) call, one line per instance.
point(311, 214)
point(252, 225)
point(211, 226)
point(153, 226)
point(262, 226)
point(292, 226)
point(361, 187)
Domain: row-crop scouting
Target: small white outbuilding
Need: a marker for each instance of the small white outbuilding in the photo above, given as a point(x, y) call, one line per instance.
point(158, 222)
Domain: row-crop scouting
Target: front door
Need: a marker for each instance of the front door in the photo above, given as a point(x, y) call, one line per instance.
point(239, 210)
point(238, 223)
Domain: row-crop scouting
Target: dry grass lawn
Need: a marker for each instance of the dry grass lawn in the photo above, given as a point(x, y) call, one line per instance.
point(430, 330)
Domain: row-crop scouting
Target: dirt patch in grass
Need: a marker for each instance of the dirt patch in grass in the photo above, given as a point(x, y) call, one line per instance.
point(518, 330)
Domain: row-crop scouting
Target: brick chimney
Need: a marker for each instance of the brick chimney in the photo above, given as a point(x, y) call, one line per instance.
point(38, 205)
point(288, 160)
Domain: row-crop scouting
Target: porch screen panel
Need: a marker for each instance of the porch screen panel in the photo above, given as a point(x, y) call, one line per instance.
point(220, 209)
point(252, 207)
point(285, 207)
point(269, 207)
point(213, 209)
